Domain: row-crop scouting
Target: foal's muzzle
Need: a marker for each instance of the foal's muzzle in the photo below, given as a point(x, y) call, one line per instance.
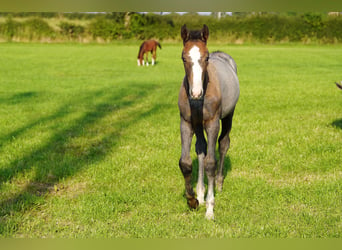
point(196, 95)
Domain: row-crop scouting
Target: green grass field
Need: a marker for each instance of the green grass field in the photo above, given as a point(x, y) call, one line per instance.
point(90, 143)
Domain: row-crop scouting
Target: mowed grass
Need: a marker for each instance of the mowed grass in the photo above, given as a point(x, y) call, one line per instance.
point(90, 143)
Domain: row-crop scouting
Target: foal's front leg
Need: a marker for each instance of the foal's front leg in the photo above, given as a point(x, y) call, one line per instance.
point(154, 56)
point(201, 150)
point(212, 129)
point(146, 54)
point(185, 162)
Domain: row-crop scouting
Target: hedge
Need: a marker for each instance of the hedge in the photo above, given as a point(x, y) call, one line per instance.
point(264, 28)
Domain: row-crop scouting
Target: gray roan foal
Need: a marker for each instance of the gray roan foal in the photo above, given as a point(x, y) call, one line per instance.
point(208, 94)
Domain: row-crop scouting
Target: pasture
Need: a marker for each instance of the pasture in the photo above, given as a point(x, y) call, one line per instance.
point(90, 143)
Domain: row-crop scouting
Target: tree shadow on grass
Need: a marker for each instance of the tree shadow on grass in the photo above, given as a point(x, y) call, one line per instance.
point(60, 158)
point(337, 123)
point(19, 97)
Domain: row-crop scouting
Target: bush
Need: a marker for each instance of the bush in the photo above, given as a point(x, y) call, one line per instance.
point(105, 29)
point(10, 28)
point(71, 30)
point(251, 27)
point(37, 28)
point(33, 28)
point(333, 29)
point(151, 26)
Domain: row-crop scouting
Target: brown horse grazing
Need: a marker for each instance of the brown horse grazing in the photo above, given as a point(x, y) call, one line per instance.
point(145, 47)
point(208, 94)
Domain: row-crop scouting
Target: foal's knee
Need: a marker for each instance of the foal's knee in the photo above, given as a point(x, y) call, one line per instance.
point(185, 166)
point(210, 167)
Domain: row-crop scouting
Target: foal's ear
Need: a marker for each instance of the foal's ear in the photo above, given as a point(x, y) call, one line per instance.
point(184, 33)
point(205, 33)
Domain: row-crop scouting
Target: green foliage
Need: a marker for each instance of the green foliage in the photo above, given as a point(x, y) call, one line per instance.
point(9, 28)
point(30, 14)
point(36, 28)
point(151, 26)
point(32, 28)
point(313, 24)
point(71, 30)
point(239, 28)
point(105, 28)
point(333, 29)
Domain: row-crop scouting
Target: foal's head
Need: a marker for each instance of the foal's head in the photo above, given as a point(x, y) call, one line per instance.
point(195, 56)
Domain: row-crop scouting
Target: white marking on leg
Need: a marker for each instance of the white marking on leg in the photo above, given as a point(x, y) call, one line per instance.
point(143, 62)
point(210, 200)
point(152, 61)
point(138, 62)
point(200, 189)
point(197, 87)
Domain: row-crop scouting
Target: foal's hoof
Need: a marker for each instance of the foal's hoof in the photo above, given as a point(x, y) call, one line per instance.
point(193, 203)
point(209, 216)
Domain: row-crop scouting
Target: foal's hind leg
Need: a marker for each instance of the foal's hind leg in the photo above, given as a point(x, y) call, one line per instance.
point(212, 128)
point(224, 143)
point(146, 54)
point(154, 55)
point(142, 59)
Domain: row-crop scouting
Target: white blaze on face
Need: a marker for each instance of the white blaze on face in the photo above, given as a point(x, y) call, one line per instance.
point(195, 55)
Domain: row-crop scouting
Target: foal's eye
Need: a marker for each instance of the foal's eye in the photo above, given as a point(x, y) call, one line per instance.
point(207, 58)
point(183, 59)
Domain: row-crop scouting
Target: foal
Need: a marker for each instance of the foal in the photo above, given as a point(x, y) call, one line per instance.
point(208, 94)
point(145, 48)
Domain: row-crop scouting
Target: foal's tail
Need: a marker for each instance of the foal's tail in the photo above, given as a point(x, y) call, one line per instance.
point(339, 85)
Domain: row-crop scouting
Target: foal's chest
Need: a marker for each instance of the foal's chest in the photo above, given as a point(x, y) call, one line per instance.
point(204, 111)
point(200, 111)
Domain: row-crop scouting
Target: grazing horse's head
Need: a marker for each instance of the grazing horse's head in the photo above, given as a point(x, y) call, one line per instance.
point(195, 56)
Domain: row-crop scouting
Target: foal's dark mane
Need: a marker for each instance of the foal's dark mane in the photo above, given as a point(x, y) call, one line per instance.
point(194, 35)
